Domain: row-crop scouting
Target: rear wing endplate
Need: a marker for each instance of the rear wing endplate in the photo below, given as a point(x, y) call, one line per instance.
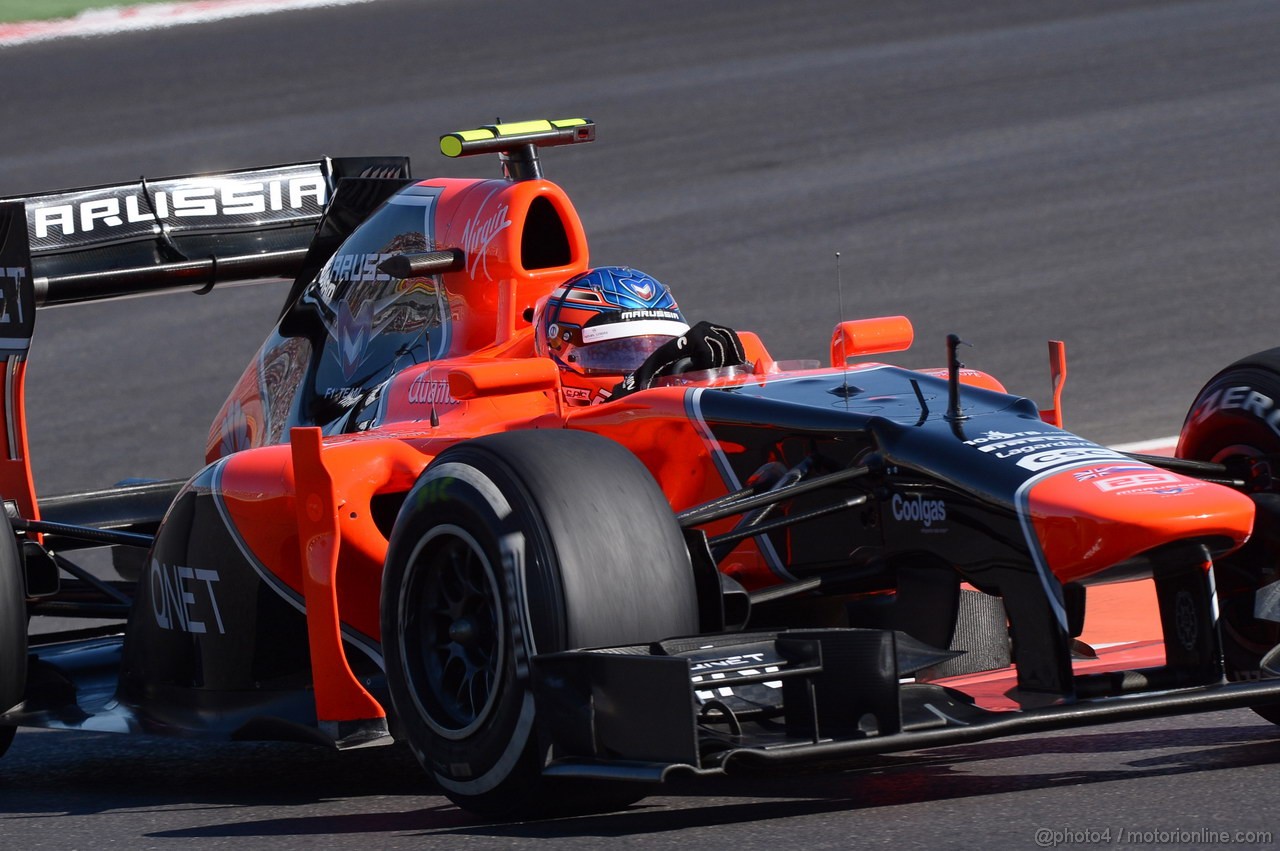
point(17, 321)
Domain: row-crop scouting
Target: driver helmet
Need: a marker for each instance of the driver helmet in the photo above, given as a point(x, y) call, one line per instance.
point(602, 324)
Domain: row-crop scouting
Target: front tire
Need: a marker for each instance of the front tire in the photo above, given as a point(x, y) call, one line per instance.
point(509, 546)
point(1235, 420)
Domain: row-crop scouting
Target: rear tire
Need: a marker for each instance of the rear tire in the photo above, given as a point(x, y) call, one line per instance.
point(13, 628)
point(1236, 420)
point(509, 546)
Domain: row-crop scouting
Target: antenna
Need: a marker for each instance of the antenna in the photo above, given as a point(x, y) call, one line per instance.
point(844, 358)
point(954, 412)
point(435, 417)
point(839, 288)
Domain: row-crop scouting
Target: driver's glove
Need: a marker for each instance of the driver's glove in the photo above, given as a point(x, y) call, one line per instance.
point(704, 346)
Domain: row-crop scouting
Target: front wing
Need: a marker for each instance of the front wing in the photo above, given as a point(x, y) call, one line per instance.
point(752, 701)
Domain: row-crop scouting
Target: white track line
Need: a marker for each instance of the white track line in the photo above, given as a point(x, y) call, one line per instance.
point(1158, 446)
point(154, 16)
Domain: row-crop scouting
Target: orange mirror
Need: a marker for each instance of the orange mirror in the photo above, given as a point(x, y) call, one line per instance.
point(859, 337)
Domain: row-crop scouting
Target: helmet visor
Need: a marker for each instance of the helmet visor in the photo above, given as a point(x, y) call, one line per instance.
point(619, 356)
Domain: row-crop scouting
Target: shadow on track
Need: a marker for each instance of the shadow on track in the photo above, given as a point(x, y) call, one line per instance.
point(43, 776)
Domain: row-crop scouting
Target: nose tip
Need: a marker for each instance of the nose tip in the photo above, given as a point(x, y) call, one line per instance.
point(1086, 521)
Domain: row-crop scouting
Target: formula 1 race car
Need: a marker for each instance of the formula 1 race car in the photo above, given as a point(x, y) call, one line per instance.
point(408, 527)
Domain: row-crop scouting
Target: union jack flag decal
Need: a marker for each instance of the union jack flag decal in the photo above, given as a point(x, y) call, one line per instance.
point(1099, 472)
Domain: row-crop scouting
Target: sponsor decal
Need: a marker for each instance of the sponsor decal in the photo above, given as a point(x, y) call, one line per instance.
point(430, 391)
point(1058, 457)
point(1164, 490)
point(728, 662)
point(643, 287)
point(17, 290)
point(997, 436)
point(627, 315)
point(479, 233)
point(512, 550)
point(353, 332)
point(1040, 450)
point(1138, 480)
point(183, 599)
point(917, 509)
point(1125, 479)
point(586, 396)
point(343, 397)
point(132, 210)
point(1240, 398)
point(11, 311)
point(354, 268)
point(707, 673)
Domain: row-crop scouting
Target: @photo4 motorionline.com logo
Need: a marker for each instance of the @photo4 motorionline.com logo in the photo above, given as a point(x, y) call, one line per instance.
point(1046, 837)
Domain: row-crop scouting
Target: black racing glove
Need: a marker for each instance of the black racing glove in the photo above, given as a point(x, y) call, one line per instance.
point(704, 346)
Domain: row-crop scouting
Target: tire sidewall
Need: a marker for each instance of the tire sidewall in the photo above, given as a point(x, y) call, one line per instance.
point(461, 495)
point(1238, 407)
point(13, 621)
point(1237, 416)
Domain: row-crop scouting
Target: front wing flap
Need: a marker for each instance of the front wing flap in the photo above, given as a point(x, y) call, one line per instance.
point(640, 713)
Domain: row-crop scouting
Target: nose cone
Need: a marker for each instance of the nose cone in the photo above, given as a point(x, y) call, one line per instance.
point(1089, 519)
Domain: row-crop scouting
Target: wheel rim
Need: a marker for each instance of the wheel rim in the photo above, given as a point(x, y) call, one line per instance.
point(1247, 638)
point(452, 642)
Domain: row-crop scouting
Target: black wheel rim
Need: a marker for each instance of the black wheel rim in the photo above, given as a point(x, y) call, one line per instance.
point(1245, 638)
point(452, 636)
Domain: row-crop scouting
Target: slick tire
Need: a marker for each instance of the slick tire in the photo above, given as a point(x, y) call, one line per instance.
point(1235, 420)
point(508, 546)
point(13, 629)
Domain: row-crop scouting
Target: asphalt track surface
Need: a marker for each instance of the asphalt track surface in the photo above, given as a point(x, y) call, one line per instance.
point(1098, 172)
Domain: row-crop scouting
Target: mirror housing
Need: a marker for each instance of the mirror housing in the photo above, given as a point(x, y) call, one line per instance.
point(860, 337)
point(503, 377)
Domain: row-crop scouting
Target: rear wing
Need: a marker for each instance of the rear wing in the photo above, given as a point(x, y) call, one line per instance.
point(177, 233)
point(186, 232)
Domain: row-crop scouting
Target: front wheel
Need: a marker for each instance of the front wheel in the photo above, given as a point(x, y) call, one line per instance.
point(509, 546)
point(1235, 420)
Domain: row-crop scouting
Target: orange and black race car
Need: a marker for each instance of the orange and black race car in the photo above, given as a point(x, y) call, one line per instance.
point(478, 496)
